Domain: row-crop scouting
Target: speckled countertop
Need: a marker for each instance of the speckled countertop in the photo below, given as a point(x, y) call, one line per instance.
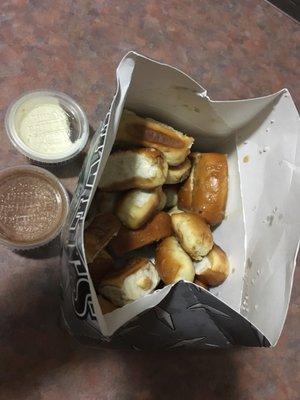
point(236, 49)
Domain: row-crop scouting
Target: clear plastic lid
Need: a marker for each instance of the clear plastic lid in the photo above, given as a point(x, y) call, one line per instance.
point(33, 207)
point(47, 126)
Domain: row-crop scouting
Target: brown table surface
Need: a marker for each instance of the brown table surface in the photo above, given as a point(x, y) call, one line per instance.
point(236, 49)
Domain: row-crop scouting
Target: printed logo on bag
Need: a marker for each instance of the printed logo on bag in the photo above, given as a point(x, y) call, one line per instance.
point(82, 298)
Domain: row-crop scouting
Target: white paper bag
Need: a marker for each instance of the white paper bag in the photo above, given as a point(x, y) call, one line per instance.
point(260, 233)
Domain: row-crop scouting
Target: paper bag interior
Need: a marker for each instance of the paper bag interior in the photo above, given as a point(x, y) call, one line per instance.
point(260, 233)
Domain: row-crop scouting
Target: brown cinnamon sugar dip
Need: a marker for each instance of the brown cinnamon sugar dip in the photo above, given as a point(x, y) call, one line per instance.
point(33, 206)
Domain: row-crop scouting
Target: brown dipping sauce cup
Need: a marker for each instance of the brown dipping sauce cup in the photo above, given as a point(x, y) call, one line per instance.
point(33, 207)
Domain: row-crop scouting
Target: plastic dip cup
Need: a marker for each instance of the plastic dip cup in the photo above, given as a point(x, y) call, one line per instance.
point(33, 207)
point(47, 126)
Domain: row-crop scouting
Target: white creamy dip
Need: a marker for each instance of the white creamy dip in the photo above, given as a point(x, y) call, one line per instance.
point(47, 126)
point(44, 127)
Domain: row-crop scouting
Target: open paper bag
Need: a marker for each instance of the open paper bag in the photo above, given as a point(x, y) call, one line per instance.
point(260, 233)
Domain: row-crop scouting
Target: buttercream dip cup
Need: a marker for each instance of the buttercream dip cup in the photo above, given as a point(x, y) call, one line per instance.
point(47, 126)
